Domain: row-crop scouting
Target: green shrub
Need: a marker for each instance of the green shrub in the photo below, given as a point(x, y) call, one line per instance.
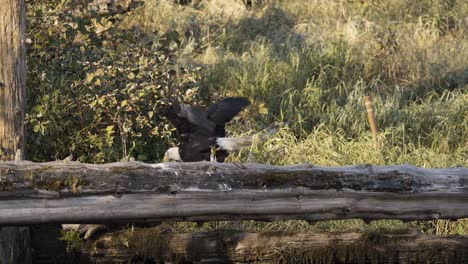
point(93, 87)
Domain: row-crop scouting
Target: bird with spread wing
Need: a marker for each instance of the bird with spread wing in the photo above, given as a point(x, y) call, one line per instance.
point(202, 131)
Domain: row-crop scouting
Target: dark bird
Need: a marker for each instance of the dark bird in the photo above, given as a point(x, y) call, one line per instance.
point(202, 131)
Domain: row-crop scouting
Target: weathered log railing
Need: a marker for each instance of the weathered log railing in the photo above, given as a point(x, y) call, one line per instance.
point(72, 192)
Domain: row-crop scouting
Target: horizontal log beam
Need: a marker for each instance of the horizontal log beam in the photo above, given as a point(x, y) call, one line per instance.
point(72, 192)
point(240, 247)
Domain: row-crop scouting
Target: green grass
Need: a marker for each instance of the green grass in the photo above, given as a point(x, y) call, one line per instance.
point(439, 227)
point(308, 64)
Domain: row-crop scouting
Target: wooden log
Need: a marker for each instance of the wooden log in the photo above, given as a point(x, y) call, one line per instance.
point(71, 192)
point(14, 242)
point(238, 247)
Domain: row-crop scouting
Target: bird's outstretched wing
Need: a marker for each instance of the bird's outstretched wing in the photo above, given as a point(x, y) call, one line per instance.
point(188, 119)
point(226, 109)
point(196, 116)
point(171, 112)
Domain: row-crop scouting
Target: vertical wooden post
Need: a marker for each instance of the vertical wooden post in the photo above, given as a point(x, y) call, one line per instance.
point(14, 241)
point(371, 119)
point(12, 78)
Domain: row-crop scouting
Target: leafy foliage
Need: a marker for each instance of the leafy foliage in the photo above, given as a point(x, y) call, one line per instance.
point(94, 87)
point(73, 240)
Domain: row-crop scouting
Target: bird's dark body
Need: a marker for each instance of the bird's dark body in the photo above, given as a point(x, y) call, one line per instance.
point(198, 128)
point(198, 148)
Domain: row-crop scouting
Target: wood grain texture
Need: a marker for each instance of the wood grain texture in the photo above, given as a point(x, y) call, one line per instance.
point(14, 242)
point(71, 192)
point(12, 78)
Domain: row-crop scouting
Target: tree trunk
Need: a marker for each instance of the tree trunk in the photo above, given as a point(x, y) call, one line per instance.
point(14, 242)
point(72, 192)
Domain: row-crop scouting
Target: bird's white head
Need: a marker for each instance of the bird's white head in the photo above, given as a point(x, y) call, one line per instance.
point(172, 154)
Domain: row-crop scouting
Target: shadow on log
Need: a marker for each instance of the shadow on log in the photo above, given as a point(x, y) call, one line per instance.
point(71, 192)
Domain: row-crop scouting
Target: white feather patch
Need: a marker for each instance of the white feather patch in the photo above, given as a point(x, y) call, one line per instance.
point(233, 143)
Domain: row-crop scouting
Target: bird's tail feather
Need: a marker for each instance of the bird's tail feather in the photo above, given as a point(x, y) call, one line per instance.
point(234, 143)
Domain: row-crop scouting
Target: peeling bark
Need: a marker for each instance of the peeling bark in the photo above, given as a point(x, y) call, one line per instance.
point(71, 192)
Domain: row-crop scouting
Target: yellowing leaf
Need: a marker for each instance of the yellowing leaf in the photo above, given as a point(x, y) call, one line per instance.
point(154, 131)
point(93, 103)
point(89, 77)
point(99, 72)
point(262, 109)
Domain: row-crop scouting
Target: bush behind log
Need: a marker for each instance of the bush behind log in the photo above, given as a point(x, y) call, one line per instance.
point(93, 86)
